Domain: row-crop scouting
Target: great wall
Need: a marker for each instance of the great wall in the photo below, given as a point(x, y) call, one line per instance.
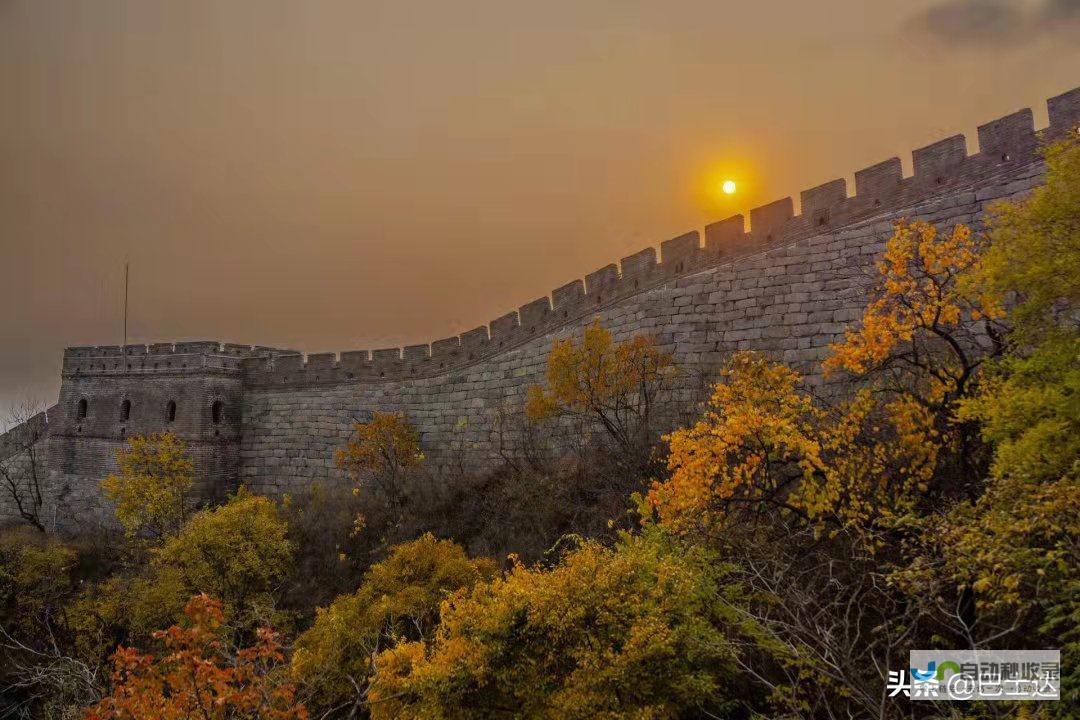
point(271, 419)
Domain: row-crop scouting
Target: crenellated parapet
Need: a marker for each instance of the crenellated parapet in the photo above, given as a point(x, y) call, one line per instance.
point(786, 280)
point(881, 189)
point(191, 388)
point(15, 439)
point(163, 358)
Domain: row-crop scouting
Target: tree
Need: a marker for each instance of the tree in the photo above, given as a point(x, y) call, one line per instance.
point(150, 489)
point(200, 676)
point(1016, 546)
point(34, 580)
point(39, 673)
point(398, 599)
point(818, 623)
point(920, 333)
point(1035, 249)
point(808, 502)
point(328, 559)
point(383, 450)
point(239, 553)
point(763, 447)
point(926, 335)
point(1029, 408)
point(615, 385)
point(627, 632)
point(939, 503)
point(22, 470)
point(896, 444)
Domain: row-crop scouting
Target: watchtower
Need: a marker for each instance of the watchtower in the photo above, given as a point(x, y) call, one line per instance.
point(191, 389)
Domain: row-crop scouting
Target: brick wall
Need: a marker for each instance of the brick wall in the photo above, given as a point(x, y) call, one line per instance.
point(790, 301)
point(787, 286)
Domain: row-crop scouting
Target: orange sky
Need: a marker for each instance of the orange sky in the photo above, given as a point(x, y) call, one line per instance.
point(336, 175)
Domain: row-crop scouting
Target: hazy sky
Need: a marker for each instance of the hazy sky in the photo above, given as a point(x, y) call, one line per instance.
point(336, 175)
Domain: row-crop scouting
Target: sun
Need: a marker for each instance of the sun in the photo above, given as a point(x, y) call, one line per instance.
point(728, 187)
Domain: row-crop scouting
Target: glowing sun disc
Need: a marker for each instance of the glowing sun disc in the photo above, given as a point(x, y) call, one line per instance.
point(728, 187)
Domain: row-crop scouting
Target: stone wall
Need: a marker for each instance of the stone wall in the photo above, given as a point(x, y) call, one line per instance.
point(789, 301)
point(787, 286)
point(24, 464)
point(193, 390)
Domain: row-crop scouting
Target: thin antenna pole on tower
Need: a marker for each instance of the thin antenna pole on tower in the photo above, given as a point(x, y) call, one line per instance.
point(125, 307)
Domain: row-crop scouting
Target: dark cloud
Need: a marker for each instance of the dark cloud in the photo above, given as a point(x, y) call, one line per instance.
point(999, 22)
point(1056, 10)
point(971, 20)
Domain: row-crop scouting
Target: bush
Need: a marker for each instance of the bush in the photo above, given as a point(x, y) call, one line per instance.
point(398, 599)
point(608, 633)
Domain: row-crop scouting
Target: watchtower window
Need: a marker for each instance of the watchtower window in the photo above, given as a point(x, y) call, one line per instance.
point(125, 410)
point(170, 411)
point(217, 412)
point(83, 407)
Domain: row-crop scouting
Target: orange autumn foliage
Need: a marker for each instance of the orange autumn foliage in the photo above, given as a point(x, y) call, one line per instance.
point(383, 451)
point(613, 384)
point(387, 444)
point(198, 676)
point(762, 444)
point(918, 321)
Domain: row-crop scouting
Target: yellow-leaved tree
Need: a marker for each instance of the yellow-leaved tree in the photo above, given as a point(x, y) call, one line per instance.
point(398, 600)
point(1017, 546)
point(150, 489)
point(956, 454)
point(922, 343)
point(920, 333)
point(34, 582)
point(867, 462)
point(624, 632)
point(239, 553)
point(39, 575)
point(613, 384)
point(763, 446)
point(383, 451)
